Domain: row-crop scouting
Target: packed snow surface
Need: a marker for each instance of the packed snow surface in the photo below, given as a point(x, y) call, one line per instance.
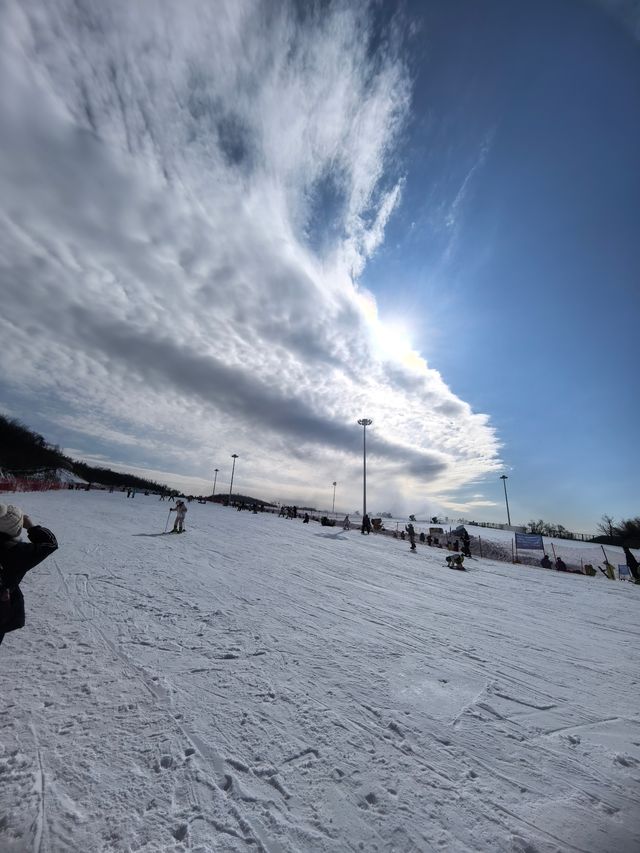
point(261, 684)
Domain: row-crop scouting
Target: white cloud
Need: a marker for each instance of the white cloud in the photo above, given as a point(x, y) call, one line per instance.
point(161, 174)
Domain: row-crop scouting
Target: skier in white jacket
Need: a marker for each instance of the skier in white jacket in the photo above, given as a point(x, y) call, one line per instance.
point(180, 510)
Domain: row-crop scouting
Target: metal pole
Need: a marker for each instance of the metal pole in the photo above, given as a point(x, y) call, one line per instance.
point(364, 423)
point(234, 456)
point(364, 470)
point(215, 479)
point(504, 479)
point(333, 508)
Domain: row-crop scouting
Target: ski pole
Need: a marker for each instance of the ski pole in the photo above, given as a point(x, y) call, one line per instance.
point(167, 524)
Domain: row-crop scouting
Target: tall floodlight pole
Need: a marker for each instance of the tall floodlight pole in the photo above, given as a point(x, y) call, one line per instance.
point(215, 480)
point(234, 456)
point(333, 508)
point(504, 479)
point(364, 423)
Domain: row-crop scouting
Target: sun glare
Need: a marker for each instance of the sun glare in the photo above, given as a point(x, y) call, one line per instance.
point(392, 340)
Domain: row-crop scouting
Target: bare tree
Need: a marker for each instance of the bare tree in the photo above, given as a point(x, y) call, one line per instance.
point(607, 526)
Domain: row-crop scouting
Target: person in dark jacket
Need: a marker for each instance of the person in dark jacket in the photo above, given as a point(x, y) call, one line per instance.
point(16, 559)
point(545, 562)
point(632, 563)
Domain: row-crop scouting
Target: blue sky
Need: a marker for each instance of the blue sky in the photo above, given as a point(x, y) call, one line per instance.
point(527, 294)
point(424, 213)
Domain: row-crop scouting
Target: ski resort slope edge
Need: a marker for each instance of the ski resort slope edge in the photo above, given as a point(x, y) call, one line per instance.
point(260, 684)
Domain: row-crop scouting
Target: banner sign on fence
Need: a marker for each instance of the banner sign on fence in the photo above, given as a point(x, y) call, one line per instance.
point(529, 542)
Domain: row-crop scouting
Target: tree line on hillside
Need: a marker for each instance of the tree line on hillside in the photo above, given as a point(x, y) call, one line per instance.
point(24, 451)
point(626, 532)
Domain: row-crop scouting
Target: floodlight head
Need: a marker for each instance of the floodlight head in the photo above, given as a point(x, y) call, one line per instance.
point(503, 477)
point(365, 422)
point(234, 455)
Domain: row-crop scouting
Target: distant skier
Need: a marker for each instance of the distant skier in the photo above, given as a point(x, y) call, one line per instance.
point(412, 535)
point(180, 510)
point(305, 520)
point(16, 558)
point(346, 524)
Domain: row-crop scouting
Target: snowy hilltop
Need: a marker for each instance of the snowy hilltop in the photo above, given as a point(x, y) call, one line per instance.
point(257, 683)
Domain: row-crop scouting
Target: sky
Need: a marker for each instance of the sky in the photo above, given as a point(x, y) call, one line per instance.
point(240, 227)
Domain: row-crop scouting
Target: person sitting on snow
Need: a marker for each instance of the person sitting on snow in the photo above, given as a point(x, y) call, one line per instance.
point(180, 510)
point(545, 562)
point(16, 558)
point(455, 561)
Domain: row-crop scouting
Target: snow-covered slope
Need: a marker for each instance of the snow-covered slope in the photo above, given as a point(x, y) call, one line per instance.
point(65, 476)
point(260, 684)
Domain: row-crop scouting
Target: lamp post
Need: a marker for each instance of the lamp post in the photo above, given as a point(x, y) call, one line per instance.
point(215, 479)
point(364, 423)
point(333, 508)
point(234, 456)
point(504, 479)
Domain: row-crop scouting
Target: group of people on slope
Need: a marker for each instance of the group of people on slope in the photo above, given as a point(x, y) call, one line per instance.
point(559, 565)
point(608, 570)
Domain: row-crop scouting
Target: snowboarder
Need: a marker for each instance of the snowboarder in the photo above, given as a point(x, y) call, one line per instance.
point(346, 524)
point(412, 535)
point(180, 510)
point(466, 544)
point(16, 558)
point(455, 561)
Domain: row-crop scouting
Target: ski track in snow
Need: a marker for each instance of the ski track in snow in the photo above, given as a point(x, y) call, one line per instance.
point(256, 684)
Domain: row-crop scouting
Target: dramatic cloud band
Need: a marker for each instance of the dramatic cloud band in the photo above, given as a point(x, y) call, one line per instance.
point(189, 193)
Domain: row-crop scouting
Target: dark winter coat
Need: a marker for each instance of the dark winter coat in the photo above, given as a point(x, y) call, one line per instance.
point(632, 563)
point(16, 558)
